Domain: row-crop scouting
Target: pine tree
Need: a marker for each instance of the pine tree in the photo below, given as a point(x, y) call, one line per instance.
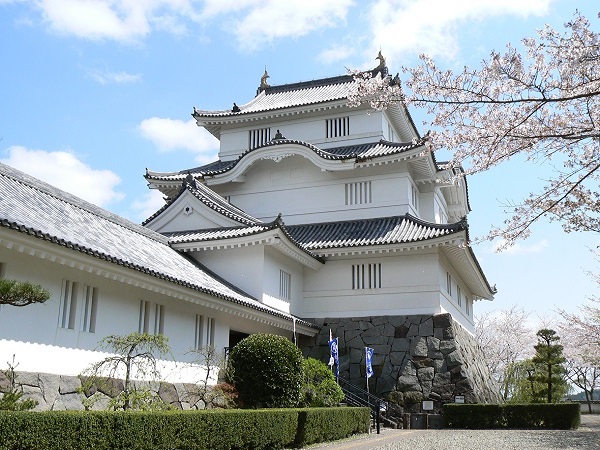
point(549, 366)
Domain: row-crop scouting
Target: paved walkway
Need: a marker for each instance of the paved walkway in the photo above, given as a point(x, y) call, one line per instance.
point(587, 436)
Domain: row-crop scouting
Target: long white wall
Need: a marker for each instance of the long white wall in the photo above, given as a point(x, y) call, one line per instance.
point(34, 335)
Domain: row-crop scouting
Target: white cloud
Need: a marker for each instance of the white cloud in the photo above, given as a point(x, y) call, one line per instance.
point(520, 249)
point(63, 170)
point(148, 205)
point(120, 20)
point(105, 77)
point(429, 26)
point(335, 53)
point(273, 19)
point(170, 134)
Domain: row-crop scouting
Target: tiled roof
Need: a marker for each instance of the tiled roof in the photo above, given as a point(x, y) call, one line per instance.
point(358, 153)
point(181, 237)
point(288, 95)
point(367, 232)
point(211, 199)
point(37, 209)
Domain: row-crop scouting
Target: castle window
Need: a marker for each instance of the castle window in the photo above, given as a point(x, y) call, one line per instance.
point(205, 332)
point(459, 295)
point(366, 276)
point(358, 193)
point(448, 283)
point(258, 137)
point(468, 307)
point(159, 319)
point(68, 305)
point(285, 285)
point(90, 308)
point(339, 126)
point(391, 134)
point(414, 197)
point(144, 319)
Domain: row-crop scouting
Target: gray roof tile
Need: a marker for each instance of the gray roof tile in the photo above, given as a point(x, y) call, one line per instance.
point(358, 153)
point(38, 209)
point(209, 198)
point(289, 95)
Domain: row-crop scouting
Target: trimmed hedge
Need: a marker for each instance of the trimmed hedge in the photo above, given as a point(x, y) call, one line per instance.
point(212, 429)
point(558, 416)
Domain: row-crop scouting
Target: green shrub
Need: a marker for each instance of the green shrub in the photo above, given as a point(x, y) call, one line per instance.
point(168, 430)
point(319, 387)
point(562, 416)
point(266, 370)
point(328, 424)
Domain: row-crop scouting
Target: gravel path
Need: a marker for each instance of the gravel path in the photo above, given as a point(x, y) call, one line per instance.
point(586, 437)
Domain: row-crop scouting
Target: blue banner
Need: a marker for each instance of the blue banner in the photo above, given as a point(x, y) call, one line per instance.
point(369, 358)
point(333, 350)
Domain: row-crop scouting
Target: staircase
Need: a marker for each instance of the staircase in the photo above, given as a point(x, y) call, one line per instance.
point(355, 396)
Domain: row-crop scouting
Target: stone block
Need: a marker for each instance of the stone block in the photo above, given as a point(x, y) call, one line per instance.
point(401, 332)
point(418, 346)
point(351, 334)
point(380, 320)
point(442, 320)
point(5, 384)
point(426, 327)
point(433, 343)
point(447, 346)
point(453, 359)
point(68, 402)
point(49, 384)
point(401, 345)
point(396, 358)
point(425, 374)
point(408, 383)
point(28, 379)
point(356, 355)
point(68, 385)
point(388, 330)
point(168, 394)
point(396, 321)
point(413, 330)
point(364, 325)
point(384, 385)
point(376, 340)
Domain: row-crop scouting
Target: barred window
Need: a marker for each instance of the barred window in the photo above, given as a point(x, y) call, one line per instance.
point(90, 308)
point(366, 276)
point(68, 305)
point(448, 283)
point(204, 334)
point(358, 193)
point(336, 127)
point(285, 285)
point(258, 137)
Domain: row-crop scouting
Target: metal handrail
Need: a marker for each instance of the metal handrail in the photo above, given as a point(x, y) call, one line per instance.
point(360, 397)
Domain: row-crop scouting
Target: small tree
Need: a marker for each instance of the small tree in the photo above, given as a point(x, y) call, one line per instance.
point(11, 400)
point(267, 371)
point(19, 293)
point(319, 387)
point(549, 362)
point(213, 395)
point(134, 355)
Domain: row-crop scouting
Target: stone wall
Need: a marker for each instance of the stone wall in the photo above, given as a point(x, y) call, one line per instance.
point(59, 392)
point(416, 357)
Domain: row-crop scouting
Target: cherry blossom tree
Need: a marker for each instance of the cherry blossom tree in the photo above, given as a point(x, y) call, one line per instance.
point(505, 339)
point(581, 336)
point(541, 102)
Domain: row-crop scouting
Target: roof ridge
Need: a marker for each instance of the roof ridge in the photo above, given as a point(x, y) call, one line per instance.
point(317, 82)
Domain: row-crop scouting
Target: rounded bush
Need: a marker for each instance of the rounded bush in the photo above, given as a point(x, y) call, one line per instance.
point(319, 387)
point(266, 370)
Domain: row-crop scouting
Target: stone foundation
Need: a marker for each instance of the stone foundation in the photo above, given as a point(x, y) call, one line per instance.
point(420, 357)
point(59, 392)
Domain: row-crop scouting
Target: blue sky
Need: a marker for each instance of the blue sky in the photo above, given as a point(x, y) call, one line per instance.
point(95, 91)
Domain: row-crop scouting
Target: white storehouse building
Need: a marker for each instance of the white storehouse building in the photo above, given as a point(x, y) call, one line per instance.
point(314, 210)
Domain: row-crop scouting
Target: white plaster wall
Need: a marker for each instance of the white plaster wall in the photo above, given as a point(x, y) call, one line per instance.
point(410, 285)
point(33, 335)
point(449, 301)
point(306, 127)
point(242, 267)
point(305, 194)
point(274, 262)
point(189, 213)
